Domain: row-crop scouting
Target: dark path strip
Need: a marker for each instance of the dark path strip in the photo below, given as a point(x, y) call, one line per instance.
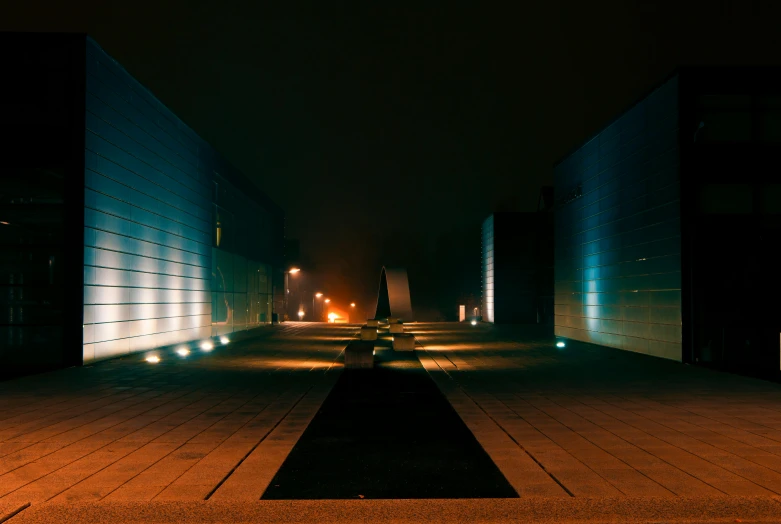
point(387, 433)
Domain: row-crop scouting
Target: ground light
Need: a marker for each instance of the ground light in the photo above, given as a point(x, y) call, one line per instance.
point(224, 340)
point(300, 315)
point(474, 322)
point(153, 359)
point(560, 344)
point(207, 346)
point(183, 352)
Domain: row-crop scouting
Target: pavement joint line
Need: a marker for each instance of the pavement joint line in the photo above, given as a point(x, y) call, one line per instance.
point(584, 437)
point(531, 456)
point(87, 413)
point(12, 514)
point(660, 437)
point(716, 420)
point(640, 414)
point(631, 444)
point(170, 452)
point(640, 447)
point(265, 408)
point(51, 405)
point(88, 436)
point(263, 438)
point(93, 451)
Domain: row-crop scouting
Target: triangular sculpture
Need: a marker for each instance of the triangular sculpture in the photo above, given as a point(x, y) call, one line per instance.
point(393, 299)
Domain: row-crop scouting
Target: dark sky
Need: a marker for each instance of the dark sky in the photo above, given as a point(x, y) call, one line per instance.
point(388, 132)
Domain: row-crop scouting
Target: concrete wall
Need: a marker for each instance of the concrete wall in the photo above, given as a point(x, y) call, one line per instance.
point(147, 219)
point(618, 267)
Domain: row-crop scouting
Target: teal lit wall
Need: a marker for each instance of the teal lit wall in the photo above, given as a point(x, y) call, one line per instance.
point(618, 233)
point(488, 269)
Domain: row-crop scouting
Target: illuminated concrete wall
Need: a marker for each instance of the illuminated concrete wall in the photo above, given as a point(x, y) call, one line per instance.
point(147, 219)
point(617, 233)
point(488, 269)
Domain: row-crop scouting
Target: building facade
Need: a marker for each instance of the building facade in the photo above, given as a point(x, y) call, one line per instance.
point(516, 263)
point(666, 220)
point(122, 229)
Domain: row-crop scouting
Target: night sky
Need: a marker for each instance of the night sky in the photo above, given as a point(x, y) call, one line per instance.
point(389, 132)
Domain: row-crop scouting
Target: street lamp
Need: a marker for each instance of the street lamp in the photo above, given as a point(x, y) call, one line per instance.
point(300, 315)
point(317, 295)
point(352, 304)
point(291, 271)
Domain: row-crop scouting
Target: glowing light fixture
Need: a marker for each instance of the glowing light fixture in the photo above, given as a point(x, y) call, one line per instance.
point(207, 346)
point(4, 223)
point(318, 295)
point(332, 316)
point(224, 340)
point(153, 359)
point(300, 314)
point(327, 300)
point(294, 270)
point(183, 352)
point(474, 322)
point(352, 304)
point(560, 344)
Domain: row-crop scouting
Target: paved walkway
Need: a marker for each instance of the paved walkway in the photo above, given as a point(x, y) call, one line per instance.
point(583, 433)
point(601, 422)
point(128, 430)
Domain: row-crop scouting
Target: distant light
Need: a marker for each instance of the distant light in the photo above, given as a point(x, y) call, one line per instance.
point(474, 322)
point(183, 352)
point(294, 270)
point(300, 314)
point(327, 300)
point(4, 223)
point(352, 304)
point(332, 316)
point(224, 340)
point(154, 359)
point(318, 295)
point(207, 346)
point(560, 344)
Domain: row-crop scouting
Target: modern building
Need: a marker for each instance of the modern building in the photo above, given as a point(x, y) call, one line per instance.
point(668, 221)
point(121, 229)
point(517, 276)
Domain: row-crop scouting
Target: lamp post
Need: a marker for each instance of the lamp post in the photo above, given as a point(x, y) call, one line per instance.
point(316, 295)
point(291, 271)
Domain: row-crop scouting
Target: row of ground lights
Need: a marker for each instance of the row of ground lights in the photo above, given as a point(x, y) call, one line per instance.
point(183, 351)
point(559, 344)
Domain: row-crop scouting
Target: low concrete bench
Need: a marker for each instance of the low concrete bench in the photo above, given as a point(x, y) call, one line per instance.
point(395, 328)
point(359, 354)
point(403, 342)
point(392, 320)
point(373, 322)
point(368, 333)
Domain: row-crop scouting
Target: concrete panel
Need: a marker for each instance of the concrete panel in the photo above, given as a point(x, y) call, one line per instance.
point(619, 244)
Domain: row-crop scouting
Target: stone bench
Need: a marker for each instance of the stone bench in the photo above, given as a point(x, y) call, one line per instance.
point(392, 320)
point(373, 322)
point(395, 328)
point(403, 342)
point(368, 333)
point(359, 354)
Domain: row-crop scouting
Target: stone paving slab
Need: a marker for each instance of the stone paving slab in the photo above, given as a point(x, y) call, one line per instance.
point(127, 430)
point(606, 422)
